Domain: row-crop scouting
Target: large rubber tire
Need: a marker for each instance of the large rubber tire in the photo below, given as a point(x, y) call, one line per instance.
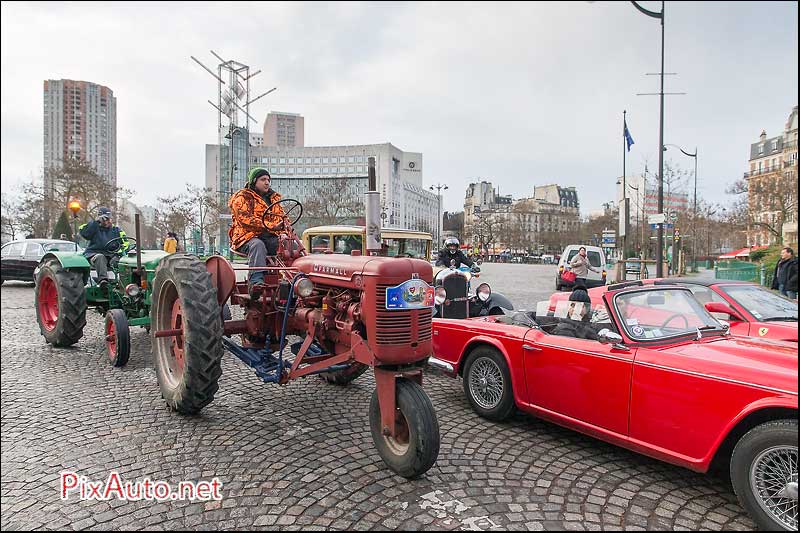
point(118, 337)
point(60, 302)
point(188, 367)
point(772, 445)
point(487, 384)
point(345, 376)
point(413, 453)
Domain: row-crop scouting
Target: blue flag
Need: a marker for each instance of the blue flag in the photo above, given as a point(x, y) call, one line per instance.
point(627, 135)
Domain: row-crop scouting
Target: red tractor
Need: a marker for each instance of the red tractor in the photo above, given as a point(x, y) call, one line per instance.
point(354, 312)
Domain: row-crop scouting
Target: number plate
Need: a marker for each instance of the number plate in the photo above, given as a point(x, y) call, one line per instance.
point(411, 294)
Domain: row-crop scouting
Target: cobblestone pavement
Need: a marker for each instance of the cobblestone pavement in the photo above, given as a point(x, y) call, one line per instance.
point(301, 456)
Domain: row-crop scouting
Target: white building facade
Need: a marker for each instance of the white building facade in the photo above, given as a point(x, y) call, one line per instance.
point(297, 171)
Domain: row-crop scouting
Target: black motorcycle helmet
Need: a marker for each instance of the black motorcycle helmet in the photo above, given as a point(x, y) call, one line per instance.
point(451, 244)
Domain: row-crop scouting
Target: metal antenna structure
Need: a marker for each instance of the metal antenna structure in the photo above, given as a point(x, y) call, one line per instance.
point(233, 111)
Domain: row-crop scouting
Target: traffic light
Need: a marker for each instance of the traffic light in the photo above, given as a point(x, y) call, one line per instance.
point(677, 234)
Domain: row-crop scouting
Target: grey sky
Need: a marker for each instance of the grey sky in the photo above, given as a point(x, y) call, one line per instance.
point(520, 94)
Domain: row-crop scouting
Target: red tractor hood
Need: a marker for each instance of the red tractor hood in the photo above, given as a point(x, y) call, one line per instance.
point(761, 362)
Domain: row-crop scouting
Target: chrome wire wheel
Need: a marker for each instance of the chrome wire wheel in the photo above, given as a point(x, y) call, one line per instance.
point(486, 383)
point(773, 480)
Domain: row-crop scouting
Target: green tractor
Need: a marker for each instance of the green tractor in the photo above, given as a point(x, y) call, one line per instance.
point(66, 288)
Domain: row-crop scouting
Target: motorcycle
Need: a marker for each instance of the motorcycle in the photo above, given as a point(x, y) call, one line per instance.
point(454, 299)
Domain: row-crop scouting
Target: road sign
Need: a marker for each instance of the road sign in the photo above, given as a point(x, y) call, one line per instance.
point(658, 218)
point(673, 216)
point(666, 226)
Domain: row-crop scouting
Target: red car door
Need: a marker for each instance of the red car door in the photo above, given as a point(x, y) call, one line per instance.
point(580, 379)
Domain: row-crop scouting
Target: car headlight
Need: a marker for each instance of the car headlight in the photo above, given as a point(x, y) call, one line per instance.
point(303, 287)
point(441, 295)
point(484, 292)
point(132, 290)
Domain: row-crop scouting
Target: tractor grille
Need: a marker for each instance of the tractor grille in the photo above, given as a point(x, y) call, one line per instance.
point(399, 326)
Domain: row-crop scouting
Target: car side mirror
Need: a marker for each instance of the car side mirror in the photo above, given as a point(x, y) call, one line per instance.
point(719, 307)
point(606, 336)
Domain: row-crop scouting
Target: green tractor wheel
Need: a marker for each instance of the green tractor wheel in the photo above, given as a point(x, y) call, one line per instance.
point(60, 303)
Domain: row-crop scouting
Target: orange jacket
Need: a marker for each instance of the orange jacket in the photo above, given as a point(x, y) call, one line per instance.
point(247, 210)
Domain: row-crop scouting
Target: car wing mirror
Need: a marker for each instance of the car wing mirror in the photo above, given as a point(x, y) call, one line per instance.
point(606, 336)
point(719, 307)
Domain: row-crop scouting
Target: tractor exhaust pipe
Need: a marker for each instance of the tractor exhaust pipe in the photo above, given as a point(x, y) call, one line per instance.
point(373, 207)
point(138, 232)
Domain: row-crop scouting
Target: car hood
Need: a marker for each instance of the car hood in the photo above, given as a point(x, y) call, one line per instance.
point(763, 362)
point(784, 331)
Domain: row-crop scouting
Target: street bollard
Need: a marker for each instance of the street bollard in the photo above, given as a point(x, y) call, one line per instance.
point(763, 274)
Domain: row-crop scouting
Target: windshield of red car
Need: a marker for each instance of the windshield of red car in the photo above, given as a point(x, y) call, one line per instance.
point(762, 303)
point(658, 314)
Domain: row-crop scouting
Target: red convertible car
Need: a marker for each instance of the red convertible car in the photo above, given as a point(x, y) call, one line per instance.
point(649, 369)
point(752, 310)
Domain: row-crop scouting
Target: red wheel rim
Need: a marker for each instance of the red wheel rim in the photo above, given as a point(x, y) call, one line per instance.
point(176, 322)
point(48, 303)
point(111, 339)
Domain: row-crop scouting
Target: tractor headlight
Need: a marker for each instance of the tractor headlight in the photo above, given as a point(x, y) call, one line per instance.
point(484, 292)
point(441, 295)
point(132, 290)
point(303, 287)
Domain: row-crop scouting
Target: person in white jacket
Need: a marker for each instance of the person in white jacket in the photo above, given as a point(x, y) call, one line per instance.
point(580, 266)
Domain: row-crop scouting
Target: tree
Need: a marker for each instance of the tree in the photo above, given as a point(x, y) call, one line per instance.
point(197, 209)
point(10, 219)
point(766, 201)
point(334, 202)
point(63, 227)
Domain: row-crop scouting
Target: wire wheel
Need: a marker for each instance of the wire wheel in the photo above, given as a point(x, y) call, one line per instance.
point(486, 383)
point(773, 479)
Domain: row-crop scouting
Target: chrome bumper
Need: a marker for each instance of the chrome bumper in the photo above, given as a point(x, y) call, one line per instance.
point(437, 365)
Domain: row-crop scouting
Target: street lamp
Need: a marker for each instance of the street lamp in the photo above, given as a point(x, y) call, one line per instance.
point(438, 188)
point(75, 206)
point(660, 247)
point(694, 201)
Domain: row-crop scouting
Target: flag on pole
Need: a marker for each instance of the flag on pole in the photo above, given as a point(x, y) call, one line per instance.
point(627, 135)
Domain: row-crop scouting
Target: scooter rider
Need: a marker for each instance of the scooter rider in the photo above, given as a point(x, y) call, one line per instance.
point(451, 253)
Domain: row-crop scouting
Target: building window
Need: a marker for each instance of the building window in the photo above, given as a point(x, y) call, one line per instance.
point(760, 148)
point(291, 170)
point(325, 160)
point(282, 160)
point(316, 160)
point(282, 170)
point(774, 145)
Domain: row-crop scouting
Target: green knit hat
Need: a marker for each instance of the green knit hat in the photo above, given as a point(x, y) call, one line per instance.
point(256, 173)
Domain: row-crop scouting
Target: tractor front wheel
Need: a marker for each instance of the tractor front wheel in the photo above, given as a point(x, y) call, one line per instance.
point(188, 363)
point(118, 337)
point(415, 446)
point(60, 304)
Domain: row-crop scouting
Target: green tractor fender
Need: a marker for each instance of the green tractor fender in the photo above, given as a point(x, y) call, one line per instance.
point(70, 261)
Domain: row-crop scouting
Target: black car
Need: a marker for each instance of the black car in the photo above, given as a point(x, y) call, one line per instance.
point(18, 259)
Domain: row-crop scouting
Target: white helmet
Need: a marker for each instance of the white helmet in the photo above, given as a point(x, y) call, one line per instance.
point(451, 241)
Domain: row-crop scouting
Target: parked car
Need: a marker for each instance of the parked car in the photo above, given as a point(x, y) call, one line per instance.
point(597, 258)
point(751, 310)
point(654, 372)
point(18, 259)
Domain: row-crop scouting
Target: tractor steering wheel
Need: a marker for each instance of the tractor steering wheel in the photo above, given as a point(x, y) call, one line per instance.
point(288, 213)
point(676, 315)
point(114, 245)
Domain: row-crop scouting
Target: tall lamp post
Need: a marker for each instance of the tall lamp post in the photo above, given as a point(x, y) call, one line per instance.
point(438, 188)
point(694, 201)
point(75, 206)
point(660, 247)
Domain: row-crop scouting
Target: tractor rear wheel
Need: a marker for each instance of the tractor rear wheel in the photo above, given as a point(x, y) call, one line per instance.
point(188, 365)
point(60, 303)
point(415, 446)
point(346, 375)
point(118, 337)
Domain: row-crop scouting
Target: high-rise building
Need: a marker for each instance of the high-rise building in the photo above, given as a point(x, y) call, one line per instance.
point(80, 122)
point(284, 130)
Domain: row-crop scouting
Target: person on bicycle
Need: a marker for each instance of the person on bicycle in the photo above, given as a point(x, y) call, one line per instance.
point(99, 233)
point(256, 222)
point(452, 253)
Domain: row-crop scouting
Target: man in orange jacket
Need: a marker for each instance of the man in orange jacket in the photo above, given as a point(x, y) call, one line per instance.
point(251, 232)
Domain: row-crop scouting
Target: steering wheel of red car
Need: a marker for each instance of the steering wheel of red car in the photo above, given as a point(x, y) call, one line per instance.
point(676, 315)
point(292, 211)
